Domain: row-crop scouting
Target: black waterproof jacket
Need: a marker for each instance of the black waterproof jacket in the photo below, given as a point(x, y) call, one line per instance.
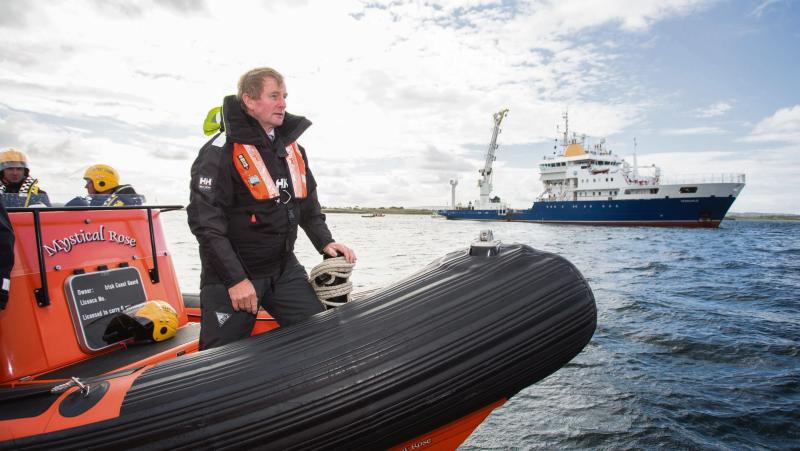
point(242, 237)
point(6, 254)
point(119, 196)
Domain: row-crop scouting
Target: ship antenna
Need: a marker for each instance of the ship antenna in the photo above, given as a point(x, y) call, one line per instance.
point(555, 143)
point(635, 162)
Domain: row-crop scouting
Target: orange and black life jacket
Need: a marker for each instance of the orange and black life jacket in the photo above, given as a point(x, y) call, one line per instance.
point(256, 177)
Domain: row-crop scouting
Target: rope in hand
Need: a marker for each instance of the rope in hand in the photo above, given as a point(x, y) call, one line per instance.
point(330, 280)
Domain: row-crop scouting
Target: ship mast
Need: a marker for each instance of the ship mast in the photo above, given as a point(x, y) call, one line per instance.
point(485, 183)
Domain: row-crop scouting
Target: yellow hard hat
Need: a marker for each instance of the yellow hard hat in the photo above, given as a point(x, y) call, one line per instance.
point(13, 158)
point(103, 177)
point(151, 321)
point(163, 319)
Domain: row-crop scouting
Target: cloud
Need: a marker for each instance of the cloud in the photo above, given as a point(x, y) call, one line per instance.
point(783, 126)
point(15, 14)
point(401, 93)
point(763, 7)
point(713, 110)
point(184, 6)
point(693, 131)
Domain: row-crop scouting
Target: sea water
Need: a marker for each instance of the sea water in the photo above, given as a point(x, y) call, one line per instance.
point(698, 331)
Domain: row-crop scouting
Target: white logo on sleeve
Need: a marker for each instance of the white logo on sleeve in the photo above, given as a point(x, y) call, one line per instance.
point(205, 183)
point(222, 317)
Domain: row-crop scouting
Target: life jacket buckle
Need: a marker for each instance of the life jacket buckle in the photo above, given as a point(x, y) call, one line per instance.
point(288, 195)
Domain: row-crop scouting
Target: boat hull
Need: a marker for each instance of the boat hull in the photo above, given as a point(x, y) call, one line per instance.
point(441, 346)
point(682, 212)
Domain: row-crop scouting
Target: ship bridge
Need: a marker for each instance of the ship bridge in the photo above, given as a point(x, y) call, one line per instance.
point(577, 173)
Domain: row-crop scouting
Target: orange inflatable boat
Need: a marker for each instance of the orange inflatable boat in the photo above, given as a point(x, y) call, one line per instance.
point(417, 364)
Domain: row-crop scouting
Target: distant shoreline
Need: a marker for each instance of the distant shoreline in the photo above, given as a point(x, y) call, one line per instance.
point(761, 217)
point(425, 211)
point(383, 210)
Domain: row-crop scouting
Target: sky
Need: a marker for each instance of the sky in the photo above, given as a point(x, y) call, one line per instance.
point(401, 93)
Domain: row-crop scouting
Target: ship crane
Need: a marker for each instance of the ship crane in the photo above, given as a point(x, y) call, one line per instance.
point(485, 182)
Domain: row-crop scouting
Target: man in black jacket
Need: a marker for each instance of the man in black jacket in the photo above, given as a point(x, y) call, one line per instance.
point(6, 254)
point(251, 188)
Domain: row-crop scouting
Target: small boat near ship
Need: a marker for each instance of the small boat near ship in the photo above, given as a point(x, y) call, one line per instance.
point(417, 364)
point(595, 186)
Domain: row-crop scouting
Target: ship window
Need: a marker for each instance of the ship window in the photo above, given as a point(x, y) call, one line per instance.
point(654, 191)
point(612, 179)
point(627, 191)
point(688, 189)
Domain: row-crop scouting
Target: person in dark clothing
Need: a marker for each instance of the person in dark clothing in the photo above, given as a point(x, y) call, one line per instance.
point(102, 185)
point(15, 178)
point(251, 188)
point(6, 254)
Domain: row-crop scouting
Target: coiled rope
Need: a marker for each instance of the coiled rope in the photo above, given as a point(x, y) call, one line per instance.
point(331, 281)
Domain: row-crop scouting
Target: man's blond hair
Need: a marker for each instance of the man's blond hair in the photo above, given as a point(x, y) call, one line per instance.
point(252, 82)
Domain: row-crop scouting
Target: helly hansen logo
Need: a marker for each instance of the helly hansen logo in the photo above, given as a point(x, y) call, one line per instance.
point(222, 318)
point(282, 183)
point(205, 183)
point(243, 161)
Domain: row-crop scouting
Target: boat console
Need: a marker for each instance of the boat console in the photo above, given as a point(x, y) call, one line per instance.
point(75, 269)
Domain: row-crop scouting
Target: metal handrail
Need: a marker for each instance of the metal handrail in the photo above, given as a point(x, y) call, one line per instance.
point(42, 294)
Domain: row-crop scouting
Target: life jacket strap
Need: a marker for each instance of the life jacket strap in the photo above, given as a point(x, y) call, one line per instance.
point(256, 177)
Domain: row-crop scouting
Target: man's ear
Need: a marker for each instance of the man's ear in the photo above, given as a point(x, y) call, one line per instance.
point(248, 101)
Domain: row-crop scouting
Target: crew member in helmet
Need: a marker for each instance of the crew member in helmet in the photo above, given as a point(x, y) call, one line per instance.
point(6, 254)
point(15, 178)
point(102, 184)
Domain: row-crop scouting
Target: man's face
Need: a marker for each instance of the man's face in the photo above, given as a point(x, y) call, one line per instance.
point(90, 187)
point(13, 175)
point(270, 108)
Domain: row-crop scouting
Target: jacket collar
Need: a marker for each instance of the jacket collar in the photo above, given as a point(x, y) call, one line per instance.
point(242, 128)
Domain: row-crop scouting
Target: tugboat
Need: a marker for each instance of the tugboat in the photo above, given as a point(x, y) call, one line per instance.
point(417, 364)
point(598, 187)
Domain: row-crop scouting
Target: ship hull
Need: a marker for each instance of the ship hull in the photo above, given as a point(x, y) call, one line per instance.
point(682, 212)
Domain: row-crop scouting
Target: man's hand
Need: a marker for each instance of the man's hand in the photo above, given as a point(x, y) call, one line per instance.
point(243, 297)
point(334, 249)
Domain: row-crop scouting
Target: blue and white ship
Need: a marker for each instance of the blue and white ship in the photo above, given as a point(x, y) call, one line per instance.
point(596, 186)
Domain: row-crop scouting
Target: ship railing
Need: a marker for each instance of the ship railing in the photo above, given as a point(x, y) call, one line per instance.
point(704, 178)
point(643, 181)
point(552, 197)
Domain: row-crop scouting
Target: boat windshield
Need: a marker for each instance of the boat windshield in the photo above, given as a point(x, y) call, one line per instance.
point(44, 200)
